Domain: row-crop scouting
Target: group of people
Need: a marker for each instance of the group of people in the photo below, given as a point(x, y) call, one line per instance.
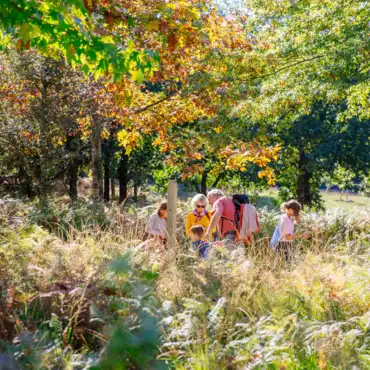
point(226, 221)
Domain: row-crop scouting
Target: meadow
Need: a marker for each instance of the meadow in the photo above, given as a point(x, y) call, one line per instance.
point(78, 293)
point(331, 200)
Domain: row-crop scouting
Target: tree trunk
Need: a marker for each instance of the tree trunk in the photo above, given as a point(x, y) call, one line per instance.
point(197, 188)
point(97, 185)
point(303, 188)
point(25, 182)
point(203, 183)
point(73, 177)
point(113, 186)
point(26, 187)
point(107, 177)
point(123, 176)
point(136, 190)
point(106, 149)
point(42, 177)
point(73, 147)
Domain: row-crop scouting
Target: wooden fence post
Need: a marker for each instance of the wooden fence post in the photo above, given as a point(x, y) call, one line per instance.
point(171, 212)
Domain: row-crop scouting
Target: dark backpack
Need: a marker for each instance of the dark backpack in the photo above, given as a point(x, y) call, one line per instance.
point(238, 200)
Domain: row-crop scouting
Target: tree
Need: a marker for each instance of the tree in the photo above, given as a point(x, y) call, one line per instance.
point(190, 83)
point(205, 154)
point(79, 30)
point(136, 167)
point(186, 47)
point(316, 51)
point(313, 145)
point(365, 185)
point(41, 104)
point(343, 178)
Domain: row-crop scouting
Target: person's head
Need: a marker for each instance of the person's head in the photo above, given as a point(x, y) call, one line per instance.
point(291, 208)
point(213, 195)
point(196, 232)
point(199, 202)
point(162, 210)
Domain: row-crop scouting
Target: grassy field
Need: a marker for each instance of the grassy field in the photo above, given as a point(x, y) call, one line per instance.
point(76, 292)
point(332, 200)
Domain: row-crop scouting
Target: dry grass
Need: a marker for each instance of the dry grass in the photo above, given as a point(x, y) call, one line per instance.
point(239, 309)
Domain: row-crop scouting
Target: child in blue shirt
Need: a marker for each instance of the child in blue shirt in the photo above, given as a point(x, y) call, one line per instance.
point(196, 233)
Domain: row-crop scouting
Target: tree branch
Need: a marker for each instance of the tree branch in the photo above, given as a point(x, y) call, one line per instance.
point(161, 116)
point(153, 104)
point(218, 178)
point(282, 69)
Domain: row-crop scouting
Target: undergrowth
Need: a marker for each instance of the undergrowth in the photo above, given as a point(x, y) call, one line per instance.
point(76, 292)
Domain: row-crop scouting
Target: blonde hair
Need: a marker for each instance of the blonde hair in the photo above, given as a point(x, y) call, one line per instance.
point(197, 198)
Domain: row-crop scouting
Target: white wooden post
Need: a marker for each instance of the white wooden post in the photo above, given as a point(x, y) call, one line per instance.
point(171, 213)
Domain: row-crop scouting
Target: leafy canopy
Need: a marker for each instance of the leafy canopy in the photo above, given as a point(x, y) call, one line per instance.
point(314, 50)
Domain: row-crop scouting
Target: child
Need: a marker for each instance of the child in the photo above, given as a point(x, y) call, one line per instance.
point(157, 224)
point(196, 234)
point(282, 240)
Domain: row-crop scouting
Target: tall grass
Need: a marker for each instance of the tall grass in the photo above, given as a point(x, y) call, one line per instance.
point(77, 293)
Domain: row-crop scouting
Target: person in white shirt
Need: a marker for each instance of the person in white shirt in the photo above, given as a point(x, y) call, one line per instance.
point(292, 209)
point(157, 224)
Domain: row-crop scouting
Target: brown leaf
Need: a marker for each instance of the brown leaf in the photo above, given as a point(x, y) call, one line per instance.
point(172, 41)
point(163, 26)
point(158, 76)
point(109, 18)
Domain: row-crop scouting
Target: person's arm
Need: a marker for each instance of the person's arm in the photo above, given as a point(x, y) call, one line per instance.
point(214, 220)
point(258, 224)
point(188, 224)
point(287, 229)
point(294, 237)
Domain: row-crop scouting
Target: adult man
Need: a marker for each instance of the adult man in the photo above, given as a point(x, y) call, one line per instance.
point(223, 215)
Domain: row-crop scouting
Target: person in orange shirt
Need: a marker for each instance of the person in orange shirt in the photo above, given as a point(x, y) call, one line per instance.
point(200, 215)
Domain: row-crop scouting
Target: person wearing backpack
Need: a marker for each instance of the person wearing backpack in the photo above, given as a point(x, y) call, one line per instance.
point(283, 237)
point(235, 218)
point(226, 214)
point(200, 215)
point(222, 215)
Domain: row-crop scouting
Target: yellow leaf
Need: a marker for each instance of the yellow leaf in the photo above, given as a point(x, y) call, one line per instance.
point(138, 76)
point(108, 39)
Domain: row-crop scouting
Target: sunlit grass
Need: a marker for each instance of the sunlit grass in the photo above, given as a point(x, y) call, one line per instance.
point(240, 309)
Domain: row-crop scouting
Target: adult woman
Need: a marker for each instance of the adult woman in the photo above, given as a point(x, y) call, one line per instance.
point(157, 223)
point(200, 215)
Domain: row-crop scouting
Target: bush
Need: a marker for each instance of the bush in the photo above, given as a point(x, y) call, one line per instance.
point(60, 216)
point(79, 302)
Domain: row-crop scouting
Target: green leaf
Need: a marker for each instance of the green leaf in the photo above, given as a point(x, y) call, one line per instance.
point(24, 32)
point(121, 265)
